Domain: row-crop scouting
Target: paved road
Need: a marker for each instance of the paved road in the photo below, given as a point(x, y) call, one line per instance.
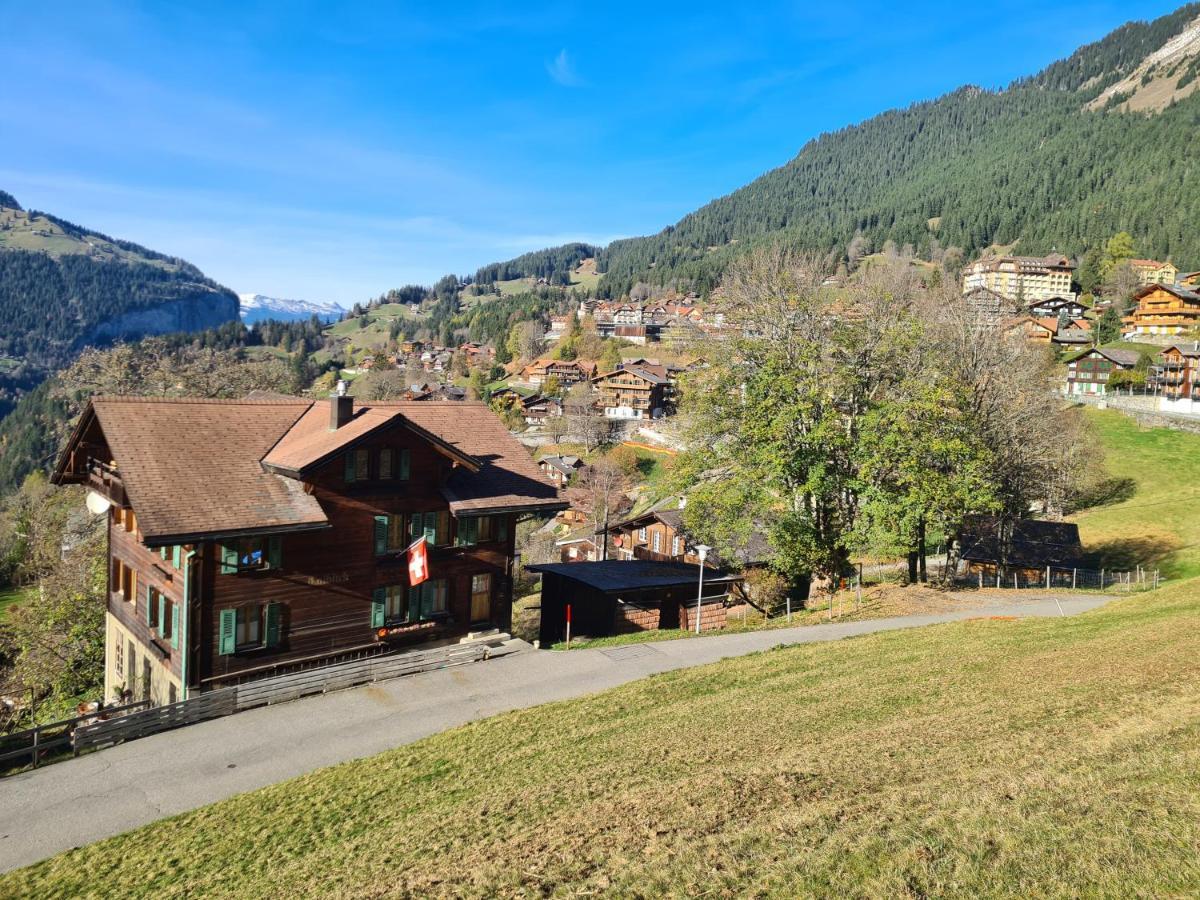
point(73, 803)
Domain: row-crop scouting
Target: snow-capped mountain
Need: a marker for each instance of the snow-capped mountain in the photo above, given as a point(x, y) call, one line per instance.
point(257, 307)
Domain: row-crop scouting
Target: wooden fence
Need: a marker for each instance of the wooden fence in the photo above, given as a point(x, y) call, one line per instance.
point(34, 743)
point(1026, 578)
point(279, 689)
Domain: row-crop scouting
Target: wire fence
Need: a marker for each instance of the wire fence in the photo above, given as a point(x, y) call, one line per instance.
point(1028, 578)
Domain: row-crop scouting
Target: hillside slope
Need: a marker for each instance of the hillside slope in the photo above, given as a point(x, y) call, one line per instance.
point(1033, 758)
point(1061, 160)
point(63, 287)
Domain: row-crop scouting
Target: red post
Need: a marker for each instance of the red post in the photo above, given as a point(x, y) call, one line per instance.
point(568, 626)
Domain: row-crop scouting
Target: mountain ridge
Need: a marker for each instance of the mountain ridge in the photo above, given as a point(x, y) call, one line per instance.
point(1038, 164)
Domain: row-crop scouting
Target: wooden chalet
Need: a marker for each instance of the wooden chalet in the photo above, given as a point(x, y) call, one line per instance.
point(988, 306)
point(1057, 306)
point(248, 538)
point(1163, 309)
point(1088, 372)
point(560, 469)
point(566, 371)
point(1179, 378)
point(635, 392)
point(988, 545)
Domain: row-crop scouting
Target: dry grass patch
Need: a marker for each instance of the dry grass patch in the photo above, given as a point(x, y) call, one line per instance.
point(1031, 758)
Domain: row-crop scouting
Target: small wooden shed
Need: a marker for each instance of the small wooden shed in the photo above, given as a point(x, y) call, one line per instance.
point(619, 596)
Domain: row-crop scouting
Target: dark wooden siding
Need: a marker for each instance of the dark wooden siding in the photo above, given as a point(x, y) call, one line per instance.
point(152, 571)
point(327, 577)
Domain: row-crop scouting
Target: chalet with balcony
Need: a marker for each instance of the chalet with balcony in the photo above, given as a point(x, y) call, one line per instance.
point(1179, 379)
point(1053, 307)
point(566, 371)
point(252, 537)
point(635, 392)
point(1089, 371)
point(1163, 309)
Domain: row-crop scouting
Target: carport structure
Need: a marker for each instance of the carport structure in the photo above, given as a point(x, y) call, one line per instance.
point(620, 596)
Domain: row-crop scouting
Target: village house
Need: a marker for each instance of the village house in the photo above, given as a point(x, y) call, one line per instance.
point(1021, 278)
point(1047, 330)
point(634, 392)
point(536, 410)
point(1053, 307)
point(560, 469)
point(1179, 379)
point(566, 371)
point(247, 538)
point(1163, 309)
point(1150, 271)
point(1089, 371)
point(990, 548)
point(579, 546)
point(988, 306)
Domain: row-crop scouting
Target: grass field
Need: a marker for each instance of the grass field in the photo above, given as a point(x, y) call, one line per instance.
point(9, 598)
point(1019, 758)
point(1052, 757)
point(1151, 514)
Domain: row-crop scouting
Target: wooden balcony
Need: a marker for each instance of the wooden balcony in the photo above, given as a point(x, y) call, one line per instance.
point(106, 480)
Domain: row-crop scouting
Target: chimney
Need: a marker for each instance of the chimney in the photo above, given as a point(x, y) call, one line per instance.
point(341, 411)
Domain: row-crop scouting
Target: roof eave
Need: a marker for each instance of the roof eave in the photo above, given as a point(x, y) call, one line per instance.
point(167, 540)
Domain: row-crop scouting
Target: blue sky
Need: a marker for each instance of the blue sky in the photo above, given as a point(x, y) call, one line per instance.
point(331, 151)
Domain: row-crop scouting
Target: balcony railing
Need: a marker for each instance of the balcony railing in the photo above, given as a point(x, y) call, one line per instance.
point(105, 479)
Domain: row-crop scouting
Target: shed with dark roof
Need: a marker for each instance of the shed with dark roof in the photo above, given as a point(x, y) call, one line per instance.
point(619, 596)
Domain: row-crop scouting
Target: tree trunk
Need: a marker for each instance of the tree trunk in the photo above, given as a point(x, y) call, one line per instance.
point(921, 548)
point(912, 566)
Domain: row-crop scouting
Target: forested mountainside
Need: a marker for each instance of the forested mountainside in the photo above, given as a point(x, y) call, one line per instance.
point(554, 265)
point(63, 287)
point(1055, 161)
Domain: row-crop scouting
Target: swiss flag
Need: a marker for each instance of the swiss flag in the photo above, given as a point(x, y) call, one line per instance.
point(418, 562)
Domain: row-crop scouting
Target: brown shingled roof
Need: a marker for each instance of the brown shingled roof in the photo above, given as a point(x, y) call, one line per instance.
point(311, 442)
point(214, 468)
point(191, 467)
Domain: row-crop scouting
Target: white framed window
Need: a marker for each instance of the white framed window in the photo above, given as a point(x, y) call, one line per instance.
point(249, 625)
point(658, 542)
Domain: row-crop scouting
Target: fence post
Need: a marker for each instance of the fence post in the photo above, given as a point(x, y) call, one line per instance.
point(1074, 575)
point(1014, 579)
point(1101, 578)
point(37, 730)
point(1047, 578)
point(981, 579)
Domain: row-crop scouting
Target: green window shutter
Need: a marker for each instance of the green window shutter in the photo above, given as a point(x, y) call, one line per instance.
point(177, 556)
point(175, 625)
point(349, 463)
point(381, 535)
point(229, 559)
point(275, 552)
point(377, 608)
point(416, 602)
point(414, 526)
point(274, 617)
point(430, 531)
point(404, 463)
point(162, 552)
point(502, 528)
point(468, 531)
point(162, 612)
point(149, 606)
point(227, 635)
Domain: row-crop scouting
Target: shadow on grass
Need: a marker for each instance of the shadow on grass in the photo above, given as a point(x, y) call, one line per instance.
point(1125, 554)
point(1105, 493)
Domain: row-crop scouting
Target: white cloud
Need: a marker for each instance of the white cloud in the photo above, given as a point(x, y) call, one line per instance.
point(562, 70)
